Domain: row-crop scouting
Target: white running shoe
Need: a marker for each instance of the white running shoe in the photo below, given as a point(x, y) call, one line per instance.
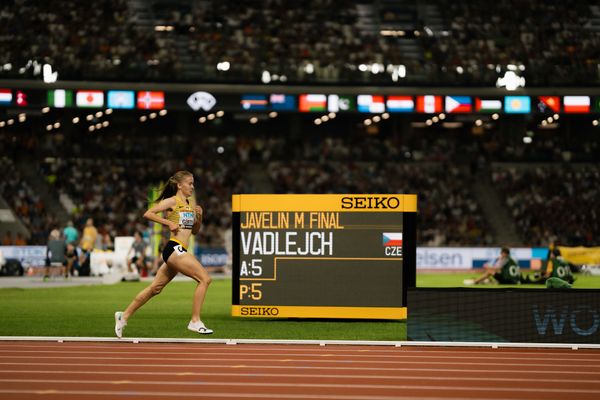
point(469, 282)
point(120, 324)
point(199, 327)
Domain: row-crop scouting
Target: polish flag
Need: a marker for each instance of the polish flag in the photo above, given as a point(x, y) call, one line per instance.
point(576, 104)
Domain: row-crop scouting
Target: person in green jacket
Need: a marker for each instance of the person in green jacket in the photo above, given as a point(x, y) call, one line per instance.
point(554, 267)
point(504, 270)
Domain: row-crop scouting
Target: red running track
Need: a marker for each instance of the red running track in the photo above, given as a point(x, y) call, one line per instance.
point(93, 370)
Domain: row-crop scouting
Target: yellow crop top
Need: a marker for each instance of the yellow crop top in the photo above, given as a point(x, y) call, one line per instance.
point(183, 213)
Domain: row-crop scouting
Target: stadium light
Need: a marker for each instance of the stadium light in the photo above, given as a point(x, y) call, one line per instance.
point(2, 123)
point(76, 120)
point(595, 122)
point(253, 120)
point(56, 125)
point(220, 113)
point(45, 110)
point(527, 139)
point(510, 81)
point(10, 122)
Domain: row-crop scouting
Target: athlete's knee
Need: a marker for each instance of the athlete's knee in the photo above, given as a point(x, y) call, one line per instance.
point(156, 289)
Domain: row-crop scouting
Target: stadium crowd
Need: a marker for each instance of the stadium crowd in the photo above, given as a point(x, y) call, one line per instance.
point(308, 41)
point(543, 200)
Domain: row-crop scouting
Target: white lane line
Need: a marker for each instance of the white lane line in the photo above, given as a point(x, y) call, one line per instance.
point(301, 360)
point(468, 388)
point(4, 353)
point(205, 395)
point(302, 376)
point(302, 349)
point(254, 366)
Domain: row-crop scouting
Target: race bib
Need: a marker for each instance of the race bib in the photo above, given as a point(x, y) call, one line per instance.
point(186, 219)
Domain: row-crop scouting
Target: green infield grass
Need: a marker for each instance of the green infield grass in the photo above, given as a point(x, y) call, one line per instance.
point(87, 311)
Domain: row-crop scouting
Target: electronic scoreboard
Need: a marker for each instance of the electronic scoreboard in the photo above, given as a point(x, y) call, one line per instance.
point(323, 256)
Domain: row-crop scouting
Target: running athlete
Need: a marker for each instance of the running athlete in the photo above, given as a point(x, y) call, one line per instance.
point(183, 218)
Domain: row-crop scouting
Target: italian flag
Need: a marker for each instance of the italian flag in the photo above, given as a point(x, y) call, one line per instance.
point(60, 98)
point(90, 98)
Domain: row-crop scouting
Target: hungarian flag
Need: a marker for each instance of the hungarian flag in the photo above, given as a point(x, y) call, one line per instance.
point(429, 104)
point(89, 98)
point(151, 100)
point(458, 104)
point(576, 104)
point(548, 104)
point(313, 102)
point(488, 105)
point(60, 98)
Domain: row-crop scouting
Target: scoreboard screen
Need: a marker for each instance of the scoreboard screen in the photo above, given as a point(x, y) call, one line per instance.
point(323, 256)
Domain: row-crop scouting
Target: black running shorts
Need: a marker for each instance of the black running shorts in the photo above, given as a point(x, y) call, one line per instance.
point(172, 246)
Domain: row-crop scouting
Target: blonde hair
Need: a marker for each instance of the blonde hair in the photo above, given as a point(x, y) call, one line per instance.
point(170, 187)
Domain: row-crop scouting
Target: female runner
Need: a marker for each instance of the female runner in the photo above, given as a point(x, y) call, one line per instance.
point(183, 218)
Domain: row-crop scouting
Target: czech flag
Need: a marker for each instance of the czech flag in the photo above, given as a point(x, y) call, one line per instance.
point(458, 104)
point(392, 239)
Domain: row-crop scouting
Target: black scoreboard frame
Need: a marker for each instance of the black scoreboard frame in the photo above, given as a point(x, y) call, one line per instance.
point(404, 204)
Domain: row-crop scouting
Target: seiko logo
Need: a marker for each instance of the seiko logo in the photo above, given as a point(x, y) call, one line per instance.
point(262, 311)
point(370, 202)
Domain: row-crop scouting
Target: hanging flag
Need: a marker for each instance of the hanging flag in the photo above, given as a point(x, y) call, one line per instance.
point(5, 96)
point(283, 102)
point(21, 99)
point(576, 104)
point(313, 102)
point(400, 104)
point(337, 103)
point(429, 104)
point(151, 100)
point(487, 105)
point(370, 104)
point(60, 98)
point(517, 104)
point(548, 104)
point(254, 101)
point(89, 98)
point(458, 104)
point(124, 99)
